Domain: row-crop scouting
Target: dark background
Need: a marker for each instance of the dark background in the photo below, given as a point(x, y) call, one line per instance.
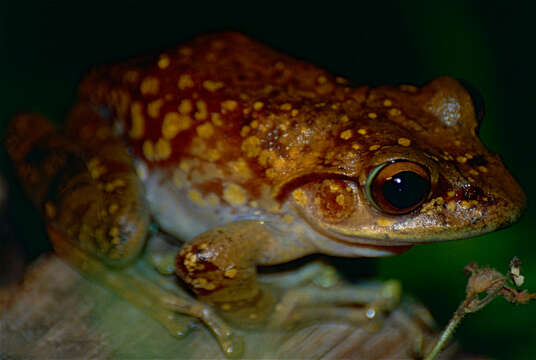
point(46, 47)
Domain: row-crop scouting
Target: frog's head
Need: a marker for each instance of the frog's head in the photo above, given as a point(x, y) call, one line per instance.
point(412, 172)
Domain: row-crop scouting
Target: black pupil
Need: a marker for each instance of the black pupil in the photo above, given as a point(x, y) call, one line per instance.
point(405, 189)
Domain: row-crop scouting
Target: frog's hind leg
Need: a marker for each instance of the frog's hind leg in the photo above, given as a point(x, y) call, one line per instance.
point(316, 293)
point(96, 216)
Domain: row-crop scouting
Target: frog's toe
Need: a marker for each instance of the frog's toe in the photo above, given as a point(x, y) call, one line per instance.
point(233, 347)
point(178, 325)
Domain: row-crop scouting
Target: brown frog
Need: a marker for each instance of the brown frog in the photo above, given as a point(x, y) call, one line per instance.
point(254, 158)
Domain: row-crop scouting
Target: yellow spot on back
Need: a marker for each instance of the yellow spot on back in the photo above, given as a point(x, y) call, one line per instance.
point(212, 85)
point(149, 86)
point(229, 105)
point(234, 194)
point(408, 88)
point(202, 112)
point(345, 118)
point(251, 146)
point(286, 107)
point(482, 169)
point(162, 149)
point(372, 115)
point(241, 168)
point(294, 112)
point(153, 108)
point(174, 123)
point(394, 112)
point(205, 130)
point(258, 105)
point(387, 103)
point(185, 81)
point(374, 147)
point(356, 146)
point(362, 131)
point(340, 199)
point(164, 61)
point(185, 107)
point(404, 141)
point(216, 119)
point(461, 159)
point(138, 121)
point(346, 134)
point(148, 149)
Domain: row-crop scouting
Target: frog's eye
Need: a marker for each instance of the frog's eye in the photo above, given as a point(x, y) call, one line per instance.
point(398, 187)
point(476, 98)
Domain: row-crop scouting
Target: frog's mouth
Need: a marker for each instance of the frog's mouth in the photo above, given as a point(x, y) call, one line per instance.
point(383, 246)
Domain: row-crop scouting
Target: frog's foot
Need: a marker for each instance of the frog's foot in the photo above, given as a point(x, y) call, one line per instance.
point(175, 312)
point(315, 292)
point(357, 304)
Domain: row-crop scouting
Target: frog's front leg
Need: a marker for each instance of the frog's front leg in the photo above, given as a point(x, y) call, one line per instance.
point(220, 266)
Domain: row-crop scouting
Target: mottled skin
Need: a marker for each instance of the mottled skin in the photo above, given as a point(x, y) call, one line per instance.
point(255, 158)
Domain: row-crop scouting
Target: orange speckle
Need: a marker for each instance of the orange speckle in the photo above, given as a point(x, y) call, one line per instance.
point(286, 107)
point(174, 123)
point(148, 150)
point(346, 134)
point(245, 131)
point(212, 85)
point(300, 197)
point(229, 105)
point(149, 86)
point(461, 159)
point(153, 108)
point(138, 121)
point(185, 107)
point(205, 130)
point(202, 112)
point(234, 194)
point(258, 105)
point(185, 81)
point(162, 149)
point(230, 273)
point(251, 146)
point(164, 61)
point(394, 112)
point(374, 147)
point(404, 141)
point(216, 119)
point(196, 197)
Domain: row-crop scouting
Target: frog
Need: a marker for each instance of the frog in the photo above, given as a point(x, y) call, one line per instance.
point(253, 158)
